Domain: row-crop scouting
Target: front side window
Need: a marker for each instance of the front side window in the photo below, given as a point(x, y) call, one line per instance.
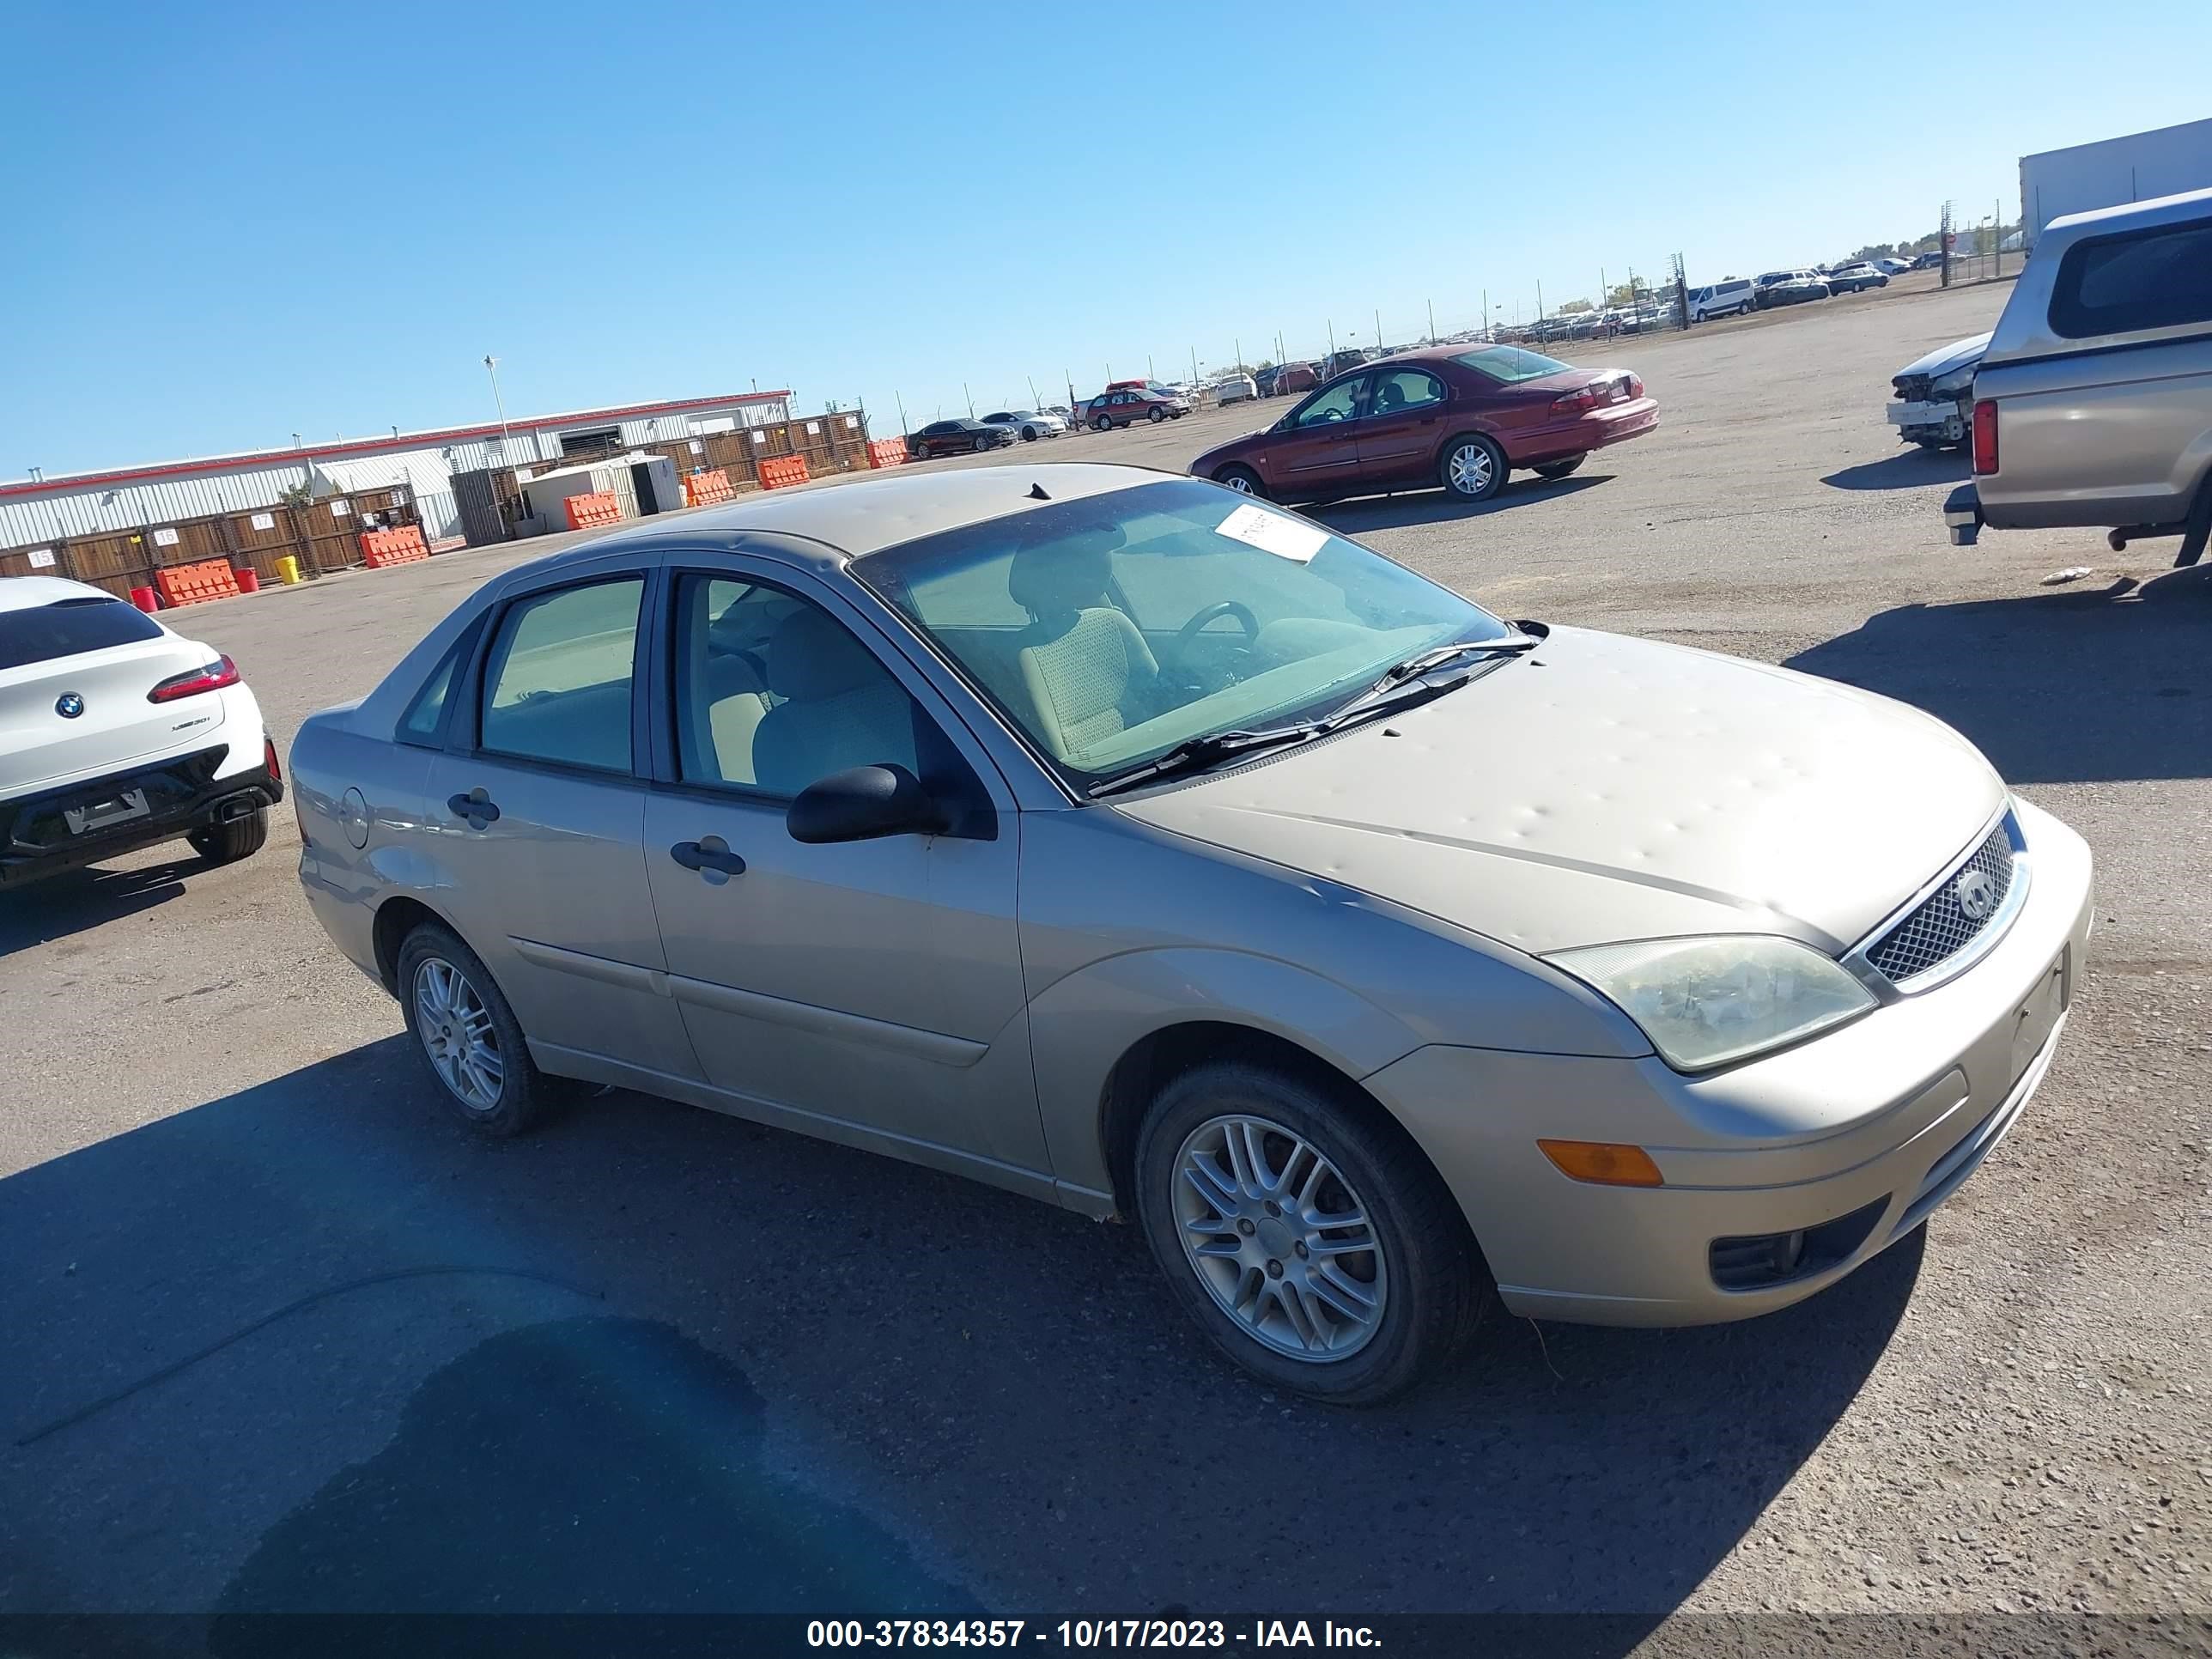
point(1111, 629)
point(773, 693)
point(556, 685)
point(1337, 403)
point(2156, 278)
point(1507, 364)
point(41, 633)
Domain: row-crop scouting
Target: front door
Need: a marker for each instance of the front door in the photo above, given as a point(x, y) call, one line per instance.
point(1318, 452)
point(537, 821)
point(872, 983)
point(1403, 425)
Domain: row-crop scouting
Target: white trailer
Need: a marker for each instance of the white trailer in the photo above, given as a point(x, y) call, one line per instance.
point(2165, 161)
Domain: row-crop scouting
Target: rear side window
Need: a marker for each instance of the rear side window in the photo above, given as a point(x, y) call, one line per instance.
point(41, 633)
point(425, 717)
point(2156, 278)
point(557, 680)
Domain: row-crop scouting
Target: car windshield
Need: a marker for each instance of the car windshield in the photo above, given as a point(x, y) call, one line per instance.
point(1114, 628)
point(41, 633)
point(1510, 363)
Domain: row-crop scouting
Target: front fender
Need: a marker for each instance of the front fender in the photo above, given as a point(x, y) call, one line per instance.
point(1088, 1019)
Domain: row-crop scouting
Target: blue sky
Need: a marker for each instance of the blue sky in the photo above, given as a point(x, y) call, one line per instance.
point(229, 224)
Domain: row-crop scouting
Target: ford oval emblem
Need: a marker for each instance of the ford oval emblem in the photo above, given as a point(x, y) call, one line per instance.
point(68, 705)
point(1977, 894)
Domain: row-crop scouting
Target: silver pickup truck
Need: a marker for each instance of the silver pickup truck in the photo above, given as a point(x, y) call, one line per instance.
point(2093, 404)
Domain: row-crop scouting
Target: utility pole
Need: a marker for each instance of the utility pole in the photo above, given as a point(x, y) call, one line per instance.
point(1193, 368)
point(1332, 337)
point(1540, 301)
point(491, 367)
point(1033, 397)
point(1151, 374)
point(1485, 316)
point(1239, 344)
point(1945, 244)
point(901, 402)
point(1378, 331)
point(970, 397)
point(1432, 322)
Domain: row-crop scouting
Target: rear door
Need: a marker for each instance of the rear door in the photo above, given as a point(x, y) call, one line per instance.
point(1318, 450)
point(75, 679)
point(537, 821)
point(1403, 425)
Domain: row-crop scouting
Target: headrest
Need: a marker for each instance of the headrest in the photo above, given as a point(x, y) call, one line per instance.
point(810, 656)
point(1061, 576)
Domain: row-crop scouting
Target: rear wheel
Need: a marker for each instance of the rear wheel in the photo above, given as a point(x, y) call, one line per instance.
point(2198, 531)
point(1560, 469)
point(1474, 468)
point(467, 1035)
point(1242, 479)
point(1314, 1247)
point(227, 843)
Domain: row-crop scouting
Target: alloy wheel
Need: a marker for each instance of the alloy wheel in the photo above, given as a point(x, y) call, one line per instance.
point(456, 1035)
point(1471, 469)
point(1238, 481)
point(1279, 1238)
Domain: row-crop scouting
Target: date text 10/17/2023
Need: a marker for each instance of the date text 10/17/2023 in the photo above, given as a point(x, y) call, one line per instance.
point(1088, 1633)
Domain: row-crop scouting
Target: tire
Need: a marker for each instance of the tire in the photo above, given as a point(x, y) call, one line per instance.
point(1419, 1271)
point(1029, 434)
point(982, 444)
point(1244, 480)
point(227, 843)
point(1477, 480)
point(1100, 423)
point(523, 1092)
point(2197, 530)
point(1158, 415)
point(1560, 469)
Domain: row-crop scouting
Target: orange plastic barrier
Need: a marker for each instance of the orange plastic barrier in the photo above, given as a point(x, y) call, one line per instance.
point(380, 548)
point(704, 489)
point(586, 510)
point(194, 584)
point(887, 451)
point(782, 470)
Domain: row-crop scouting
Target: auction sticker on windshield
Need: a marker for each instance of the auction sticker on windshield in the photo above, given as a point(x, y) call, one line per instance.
point(1270, 532)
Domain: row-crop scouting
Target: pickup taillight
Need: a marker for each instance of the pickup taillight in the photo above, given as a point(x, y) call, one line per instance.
point(1985, 437)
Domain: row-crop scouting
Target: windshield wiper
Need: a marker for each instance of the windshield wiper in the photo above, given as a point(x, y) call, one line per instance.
point(1199, 753)
point(1414, 672)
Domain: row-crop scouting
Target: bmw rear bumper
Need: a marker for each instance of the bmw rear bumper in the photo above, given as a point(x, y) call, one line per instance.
point(103, 817)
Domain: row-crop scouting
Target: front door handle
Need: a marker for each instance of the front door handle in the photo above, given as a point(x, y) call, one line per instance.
point(478, 807)
point(707, 853)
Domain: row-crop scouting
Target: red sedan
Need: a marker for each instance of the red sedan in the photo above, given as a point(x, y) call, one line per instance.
point(1459, 416)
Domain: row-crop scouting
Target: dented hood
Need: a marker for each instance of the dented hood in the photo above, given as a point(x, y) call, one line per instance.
point(1606, 788)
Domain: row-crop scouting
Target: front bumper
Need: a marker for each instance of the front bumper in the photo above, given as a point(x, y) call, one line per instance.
point(1938, 420)
point(38, 834)
point(1876, 1123)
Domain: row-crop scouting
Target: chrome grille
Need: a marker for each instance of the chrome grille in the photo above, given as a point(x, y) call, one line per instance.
point(1940, 928)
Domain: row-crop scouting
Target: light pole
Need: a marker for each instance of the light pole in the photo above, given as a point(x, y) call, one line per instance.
point(491, 367)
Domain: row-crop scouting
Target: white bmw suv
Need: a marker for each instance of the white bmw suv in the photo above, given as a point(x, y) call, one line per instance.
point(116, 733)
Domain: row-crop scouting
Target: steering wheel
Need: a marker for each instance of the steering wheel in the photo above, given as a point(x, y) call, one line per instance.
point(1179, 652)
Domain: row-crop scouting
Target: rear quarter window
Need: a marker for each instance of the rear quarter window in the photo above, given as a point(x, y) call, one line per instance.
point(67, 627)
point(2160, 277)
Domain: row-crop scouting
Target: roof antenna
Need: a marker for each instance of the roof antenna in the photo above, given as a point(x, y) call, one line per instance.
point(1036, 493)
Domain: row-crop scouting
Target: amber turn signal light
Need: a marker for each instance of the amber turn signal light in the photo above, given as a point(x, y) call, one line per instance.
point(1604, 1163)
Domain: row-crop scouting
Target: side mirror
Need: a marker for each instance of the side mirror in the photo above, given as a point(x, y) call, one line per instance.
point(864, 804)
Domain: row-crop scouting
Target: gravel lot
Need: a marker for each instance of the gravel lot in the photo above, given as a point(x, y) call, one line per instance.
point(652, 1356)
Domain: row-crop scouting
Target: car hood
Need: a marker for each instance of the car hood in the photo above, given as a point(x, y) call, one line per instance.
point(1606, 788)
point(1946, 359)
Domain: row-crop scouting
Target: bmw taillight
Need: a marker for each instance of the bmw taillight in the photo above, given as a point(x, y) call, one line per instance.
point(1985, 436)
point(269, 760)
point(208, 676)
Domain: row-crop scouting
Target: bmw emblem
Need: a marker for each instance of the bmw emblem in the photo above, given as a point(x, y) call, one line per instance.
point(68, 705)
point(1977, 894)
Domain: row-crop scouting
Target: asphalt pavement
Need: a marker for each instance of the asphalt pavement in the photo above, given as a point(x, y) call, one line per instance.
point(280, 1336)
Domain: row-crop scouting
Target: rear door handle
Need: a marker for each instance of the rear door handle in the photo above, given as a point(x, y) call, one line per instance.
point(707, 853)
point(478, 807)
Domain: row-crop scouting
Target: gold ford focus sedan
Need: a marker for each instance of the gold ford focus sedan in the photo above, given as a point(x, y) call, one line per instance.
point(1121, 840)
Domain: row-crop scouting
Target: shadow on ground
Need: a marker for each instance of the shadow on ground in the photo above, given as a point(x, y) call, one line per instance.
point(2067, 686)
point(57, 906)
point(654, 1358)
point(1909, 469)
point(1353, 518)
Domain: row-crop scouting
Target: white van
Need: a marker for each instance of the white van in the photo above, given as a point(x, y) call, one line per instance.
point(1735, 295)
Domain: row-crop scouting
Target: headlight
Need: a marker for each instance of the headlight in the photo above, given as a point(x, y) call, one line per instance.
point(1952, 384)
point(1705, 1002)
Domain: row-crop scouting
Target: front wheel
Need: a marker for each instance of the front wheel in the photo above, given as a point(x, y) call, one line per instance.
point(1100, 423)
point(1158, 415)
point(228, 842)
point(467, 1035)
point(1560, 469)
point(1242, 479)
point(1315, 1246)
point(982, 444)
point(1474, 468)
